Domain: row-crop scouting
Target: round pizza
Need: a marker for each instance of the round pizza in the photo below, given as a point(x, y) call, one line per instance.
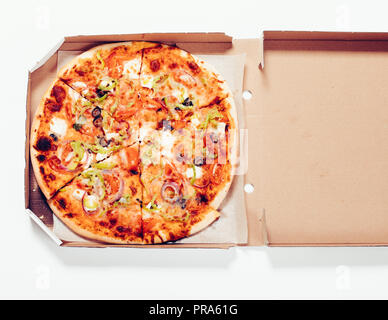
point(135, 143)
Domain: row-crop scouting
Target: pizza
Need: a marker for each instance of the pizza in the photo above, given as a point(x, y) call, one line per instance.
point(135, 143)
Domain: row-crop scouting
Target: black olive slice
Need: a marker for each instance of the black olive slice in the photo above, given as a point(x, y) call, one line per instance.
point(96, 112)
point(199, 161)
point(97, 122)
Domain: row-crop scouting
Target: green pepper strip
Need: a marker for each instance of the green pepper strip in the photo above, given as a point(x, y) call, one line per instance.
point(100, 59)
point(92, 175)
point(99, 99)
point(192, 181)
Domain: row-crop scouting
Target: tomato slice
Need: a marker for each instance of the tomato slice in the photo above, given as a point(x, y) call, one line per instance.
point(115, 65)
point(131, 158)
point(67, 154)
point(112, 184)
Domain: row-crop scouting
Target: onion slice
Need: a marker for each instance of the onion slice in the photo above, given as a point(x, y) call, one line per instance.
point(56, 163)
point(175, 188)
point(204, 185)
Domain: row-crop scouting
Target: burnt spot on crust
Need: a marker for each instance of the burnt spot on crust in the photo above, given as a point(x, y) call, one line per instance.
point(47, 177)
point(150, 49)
point(80, 72)
point(43, 144)
point(202, 198)
point(155, 65)
point(119, 235)
point(70, 215)
point(52, 106)
point(122, 229)
point(193, 67)
point(171, 235)
point(58, 93)
point(216, 100)
point(173, 65)
point(62, 203)
point(113, 222)
point(41, 158)
point(103, 224)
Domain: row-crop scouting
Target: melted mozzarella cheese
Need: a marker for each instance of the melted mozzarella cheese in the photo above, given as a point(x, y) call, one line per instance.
point(195, 122)
point(110, 135)
point(79, 84)
point(74, 95)
point(78, 194)
point(146, 131)
point(167, 141)
point(100, 156)
point(190, 172)
point(58, 127)
point(91, 202)
point(147, 80)
point(132, 67)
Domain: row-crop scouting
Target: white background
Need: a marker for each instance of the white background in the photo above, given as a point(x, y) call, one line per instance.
point(32, 266)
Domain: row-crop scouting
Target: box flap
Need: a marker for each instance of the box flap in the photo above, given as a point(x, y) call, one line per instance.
point(87, 42)
point(322, 167)
point(324, 35)
point(168, 37)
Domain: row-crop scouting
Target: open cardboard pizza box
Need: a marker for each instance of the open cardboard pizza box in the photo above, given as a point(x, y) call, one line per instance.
point(316, 164)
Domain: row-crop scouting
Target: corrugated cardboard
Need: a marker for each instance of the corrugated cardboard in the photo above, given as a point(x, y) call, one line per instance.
point(318, 133)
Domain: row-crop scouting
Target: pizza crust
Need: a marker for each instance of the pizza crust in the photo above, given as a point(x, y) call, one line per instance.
point(85, 233)
point(91, 52)
point(33, 139)
point(234, 150)
point(210, 216)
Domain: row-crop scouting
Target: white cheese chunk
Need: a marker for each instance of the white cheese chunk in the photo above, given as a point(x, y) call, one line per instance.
point(146, 131)
point(90, 202)
point(132, 68)
point(78, 194)
point(111, 135)
point(100, 156)
point(147, 80)
point(190, 172)
point(195, 122)
point(58, 127)
point(221, 128)
point(79, 84)
point(167, 142)
point(74, 95)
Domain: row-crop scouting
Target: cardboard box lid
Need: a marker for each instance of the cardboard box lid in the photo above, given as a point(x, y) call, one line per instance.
point(322, 132)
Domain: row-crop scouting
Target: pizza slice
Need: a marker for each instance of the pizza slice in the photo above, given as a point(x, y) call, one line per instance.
point(104, 202)
point(95, 73)
point(204, 151)
point(171, 207)
point(179, 79)
point(58, 146)
point(120, 106)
